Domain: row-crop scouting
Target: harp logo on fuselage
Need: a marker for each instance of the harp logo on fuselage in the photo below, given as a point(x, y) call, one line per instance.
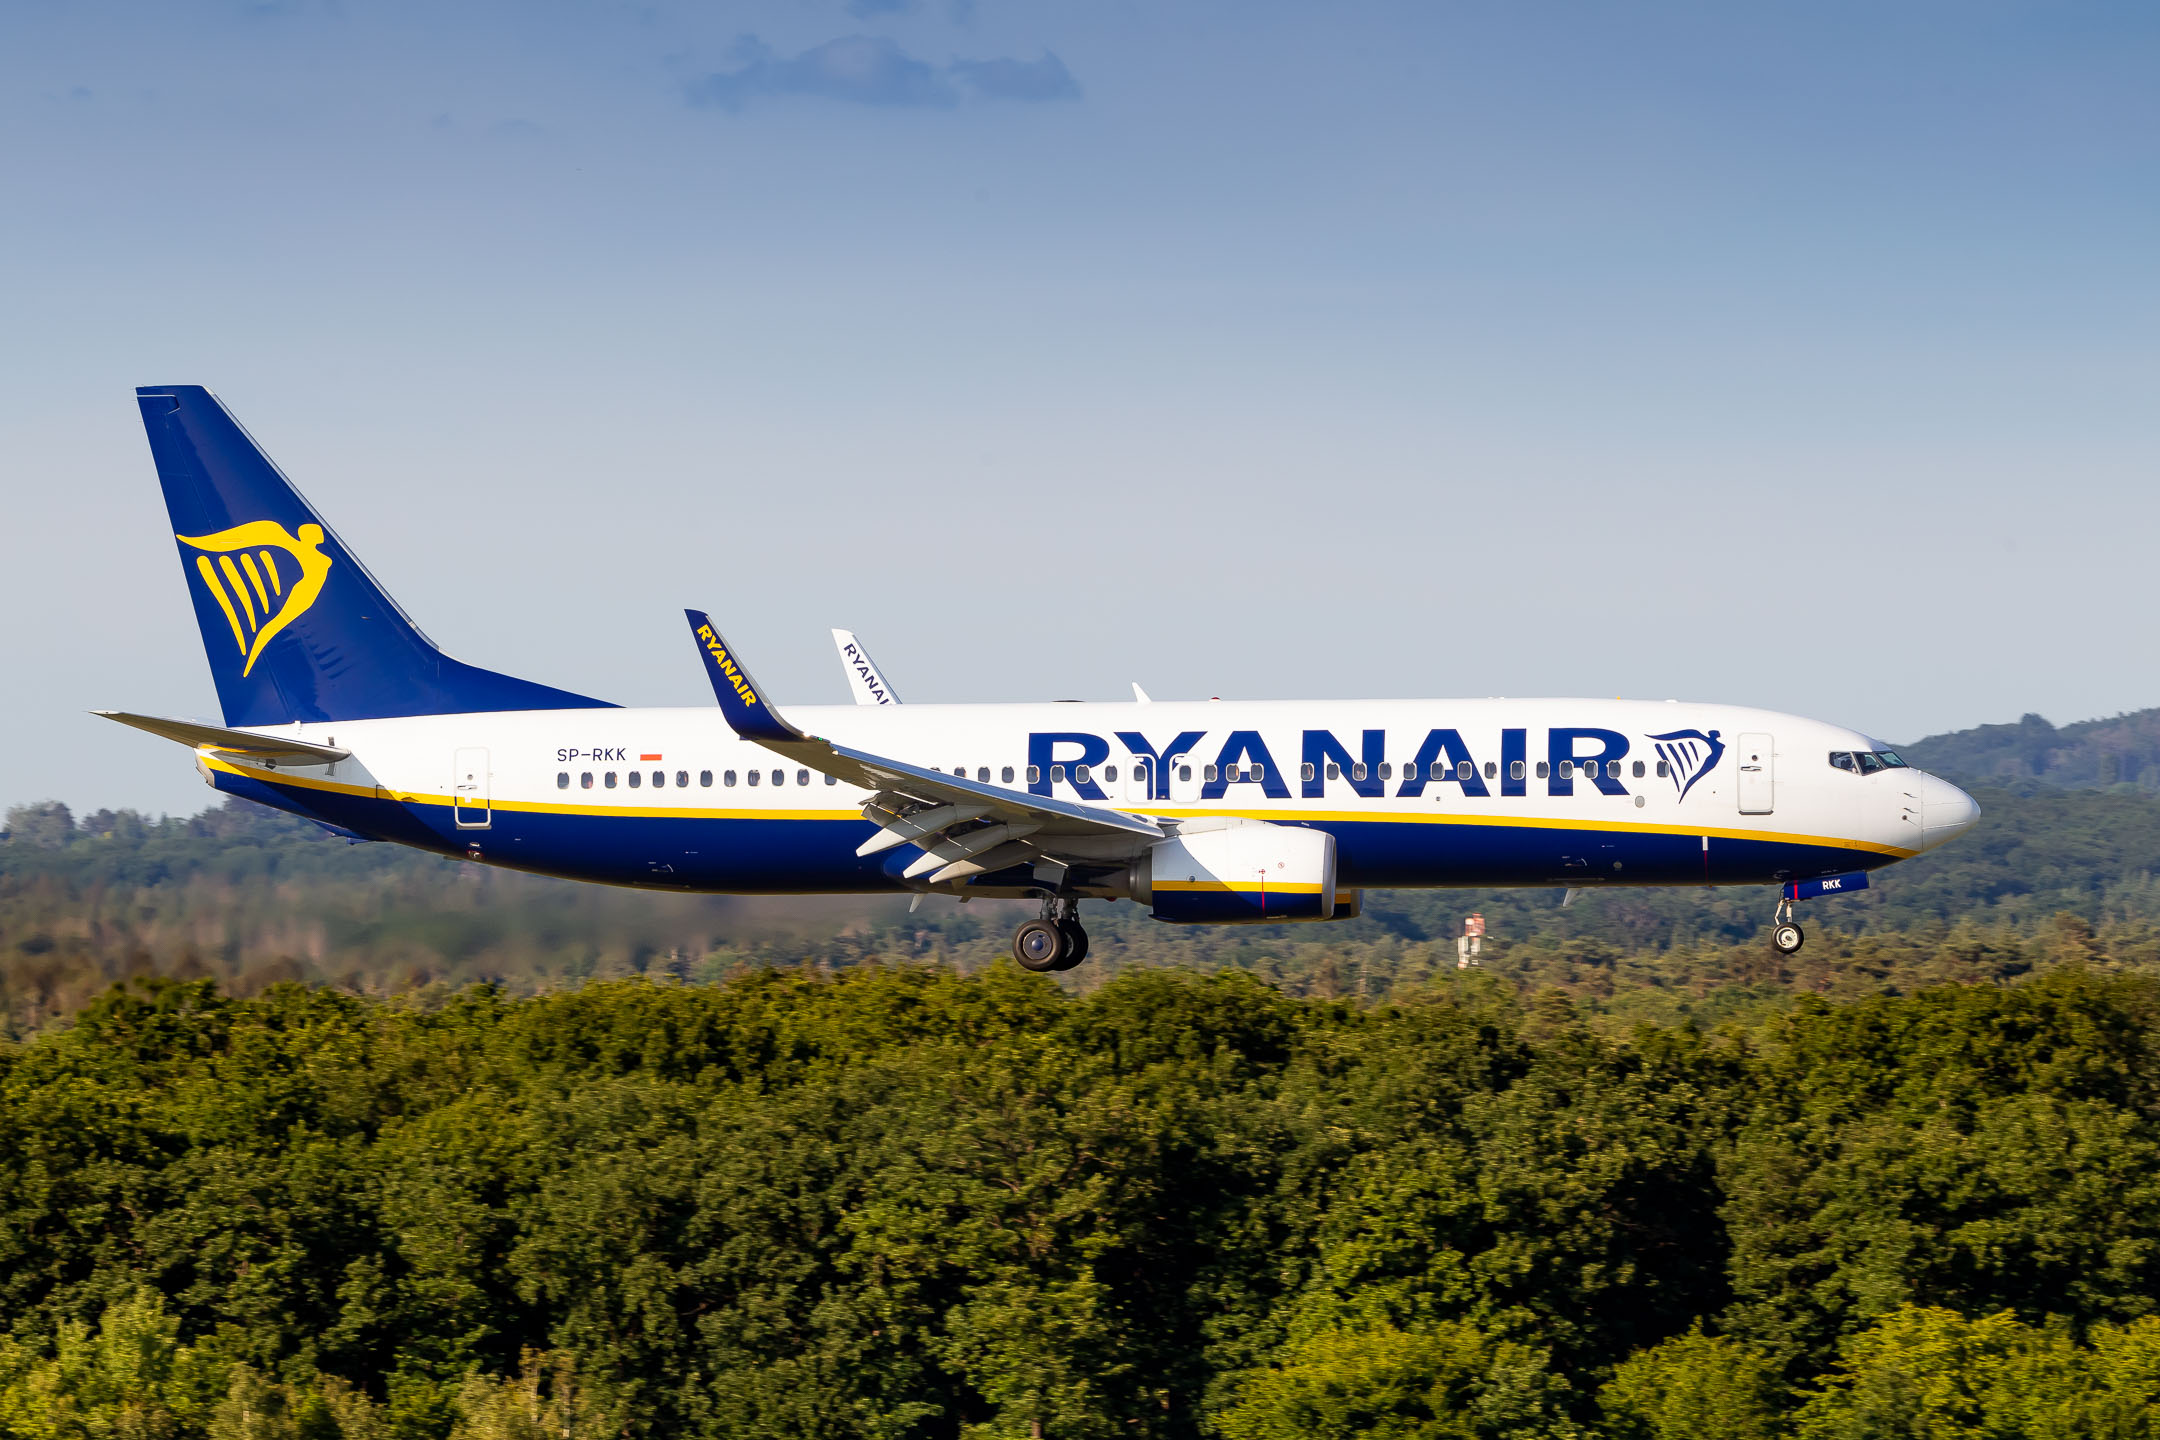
point(263, 579)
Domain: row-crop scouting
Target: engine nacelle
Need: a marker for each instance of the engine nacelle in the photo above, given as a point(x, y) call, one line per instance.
point(1233, 871)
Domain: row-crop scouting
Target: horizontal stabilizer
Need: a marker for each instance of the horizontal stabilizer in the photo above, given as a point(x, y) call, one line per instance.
point(236, 742)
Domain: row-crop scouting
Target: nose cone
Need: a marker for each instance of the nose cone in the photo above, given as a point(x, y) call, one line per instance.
point(1946, 812)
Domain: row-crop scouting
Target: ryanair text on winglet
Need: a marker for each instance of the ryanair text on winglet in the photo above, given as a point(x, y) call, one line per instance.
point(727, 666)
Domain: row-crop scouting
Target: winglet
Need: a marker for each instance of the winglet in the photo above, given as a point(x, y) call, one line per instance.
point(864, 678)
point(748, 713)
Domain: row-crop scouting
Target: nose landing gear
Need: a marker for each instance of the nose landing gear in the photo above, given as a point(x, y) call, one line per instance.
point(1055, 940)
point(1786, 937)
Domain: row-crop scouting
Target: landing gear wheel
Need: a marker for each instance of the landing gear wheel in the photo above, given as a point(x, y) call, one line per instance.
point(1786, 939)
point(1076, 944)
point(1041, 945)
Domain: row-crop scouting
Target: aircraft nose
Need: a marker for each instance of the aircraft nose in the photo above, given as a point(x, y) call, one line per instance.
point(1946, 812)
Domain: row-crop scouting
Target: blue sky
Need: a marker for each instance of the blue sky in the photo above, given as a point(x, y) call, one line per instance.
point(1804, 356)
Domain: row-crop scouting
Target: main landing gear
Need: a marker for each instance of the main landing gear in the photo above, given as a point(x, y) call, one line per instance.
point(1785, 937)
point(1055, 940)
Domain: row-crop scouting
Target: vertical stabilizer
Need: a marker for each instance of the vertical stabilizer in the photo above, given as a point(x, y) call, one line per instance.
point(295, 627)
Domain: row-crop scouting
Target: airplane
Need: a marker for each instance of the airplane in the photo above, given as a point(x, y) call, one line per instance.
point(337, 708)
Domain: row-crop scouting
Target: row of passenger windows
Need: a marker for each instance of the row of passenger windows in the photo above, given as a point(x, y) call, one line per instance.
point(1866, 762)
point(1235, 774)
point(682, 778)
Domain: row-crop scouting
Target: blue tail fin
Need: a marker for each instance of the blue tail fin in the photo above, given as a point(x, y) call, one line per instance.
point(295, 627)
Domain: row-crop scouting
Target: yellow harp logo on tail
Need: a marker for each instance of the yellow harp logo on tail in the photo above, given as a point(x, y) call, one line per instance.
point(263, 578)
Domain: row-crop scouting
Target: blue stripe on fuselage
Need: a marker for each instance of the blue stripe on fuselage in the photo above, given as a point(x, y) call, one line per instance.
point(817, 856)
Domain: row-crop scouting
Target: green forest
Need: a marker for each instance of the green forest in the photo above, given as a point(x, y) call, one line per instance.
point(898, 1201)
point(308, 1140)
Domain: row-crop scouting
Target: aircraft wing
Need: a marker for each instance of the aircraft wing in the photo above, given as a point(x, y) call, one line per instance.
point(236, 742)
point(863, 676)
point(963, 826)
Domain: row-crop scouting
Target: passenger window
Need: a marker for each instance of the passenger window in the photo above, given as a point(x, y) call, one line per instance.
point(1464, 770)
point(802, 777)
point(1057, 774)
point(1492, 770)
point(756, 776)
point(637, 778)
point(1109, 774)
point(659, 779)
point(728, 777)
point(608, 780)
point(1034, 774)
point(1305, 772)
point(682, 779)
point(584, 780)
point(1638, 769)
point(704, 778)
point(832, 779)
point(779, 777)
point(982, 773)
point(1541, 769)
point(1334, 771)
point(1080, 775)
point(1514, 770)
point(1357, 770)
point(1184, 772)
point(1208, 774)
point(1005, 775)
point(1256, 772)
point(1387, 771)
point(562, 780)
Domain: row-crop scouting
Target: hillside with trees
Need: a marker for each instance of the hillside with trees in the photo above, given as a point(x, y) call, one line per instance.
point(2120, 752)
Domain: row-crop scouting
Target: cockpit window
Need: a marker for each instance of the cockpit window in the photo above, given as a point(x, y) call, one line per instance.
point(1866, 762)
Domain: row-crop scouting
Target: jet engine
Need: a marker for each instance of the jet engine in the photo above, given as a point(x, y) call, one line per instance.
point(1228, 871)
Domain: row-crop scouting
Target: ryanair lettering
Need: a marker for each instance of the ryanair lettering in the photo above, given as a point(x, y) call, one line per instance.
point(861, 666)
point(727, 666)
point(1573, 755)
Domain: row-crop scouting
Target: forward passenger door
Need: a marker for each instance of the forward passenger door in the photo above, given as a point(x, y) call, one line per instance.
point(1758, 775)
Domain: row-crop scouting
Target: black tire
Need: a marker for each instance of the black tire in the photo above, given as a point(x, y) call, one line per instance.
point(1040, 945)
point(1076, 943)
point(1787, 939)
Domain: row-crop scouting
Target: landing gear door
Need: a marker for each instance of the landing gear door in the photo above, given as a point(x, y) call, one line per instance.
point(1758, 775)
point(469, 803)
